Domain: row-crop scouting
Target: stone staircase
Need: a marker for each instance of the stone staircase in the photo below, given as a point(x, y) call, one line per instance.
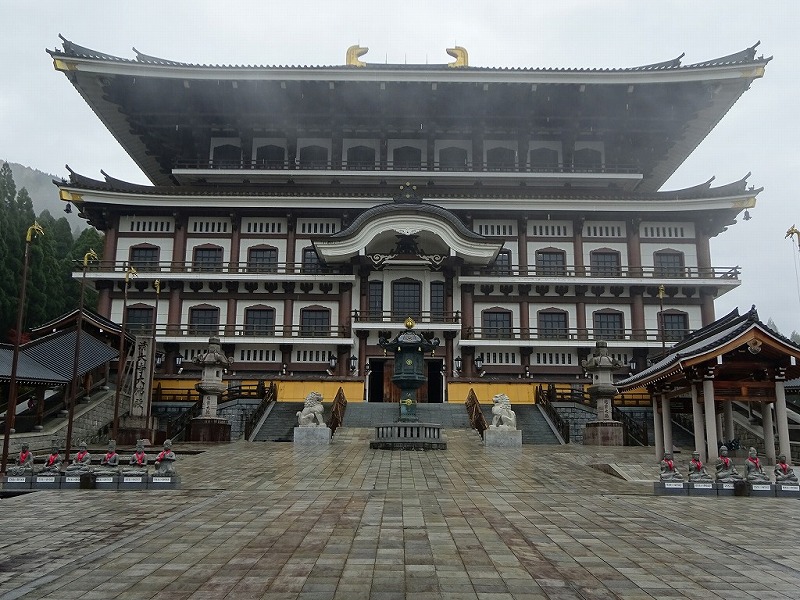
point(535, 428)
point(280, 423)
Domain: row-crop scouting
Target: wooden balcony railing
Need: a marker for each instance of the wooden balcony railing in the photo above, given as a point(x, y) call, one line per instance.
point(571, 334)
point(413, 165)
point(388, 316)
point(623, 271)
point(239, 330)
point(280, 268)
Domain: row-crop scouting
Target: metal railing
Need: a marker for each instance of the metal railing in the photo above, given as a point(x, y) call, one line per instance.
point(561, 424)
point(239, 330)
point(634, 430)
point(269, 394)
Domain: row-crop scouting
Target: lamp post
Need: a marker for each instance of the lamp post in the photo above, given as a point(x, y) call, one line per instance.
point(122, 358)
point(661, 316)
point(33, 231)
point(153, 360)
point(90, 255)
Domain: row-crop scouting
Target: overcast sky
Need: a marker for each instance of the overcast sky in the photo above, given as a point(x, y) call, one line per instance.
point(45, 124)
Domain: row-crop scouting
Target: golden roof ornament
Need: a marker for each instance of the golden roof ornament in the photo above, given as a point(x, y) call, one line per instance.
point(353, 52)
point(409, 323)
point(460, 55)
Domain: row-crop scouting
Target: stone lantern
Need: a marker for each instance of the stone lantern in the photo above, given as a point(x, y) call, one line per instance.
point(209, 427)
point(605, 431)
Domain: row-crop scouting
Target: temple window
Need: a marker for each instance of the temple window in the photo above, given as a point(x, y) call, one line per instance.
point(453, 159)
point(501, 159)
point(315, 322)
point(407, 158)
point(144, 257)
point(502, 264)
point(207, 258)
point(668, 263)
point(552, 324)
point(226, 156)
point(203, 320)
point(262, 259)
point(544, 159)
point(270, 156)
point(313, 157)
point(496, 324)
point(609, 325)
point(605, 263)
point(551, 262)
point(437, 301)
point(311, 263)
point(259, 320)
point(375, 302)
point(406, 299)
point(587, 159)
point(360, 158)
point(674, 325)
point(139, 319)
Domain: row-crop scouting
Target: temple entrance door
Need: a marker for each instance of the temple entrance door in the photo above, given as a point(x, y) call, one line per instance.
point(431, 390)
point(391, 393)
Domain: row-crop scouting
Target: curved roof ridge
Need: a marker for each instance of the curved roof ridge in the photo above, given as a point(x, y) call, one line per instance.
point(742, 56)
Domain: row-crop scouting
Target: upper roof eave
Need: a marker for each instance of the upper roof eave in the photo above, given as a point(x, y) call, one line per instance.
point(78, 58)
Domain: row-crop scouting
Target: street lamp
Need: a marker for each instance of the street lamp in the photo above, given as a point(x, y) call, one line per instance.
point(458, 364)
point(33, 231)
point(90, 255)
point(353, 363)
point(122, 358)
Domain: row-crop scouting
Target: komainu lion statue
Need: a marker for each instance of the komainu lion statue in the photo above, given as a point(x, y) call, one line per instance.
point(503, 417)
point(311, 415)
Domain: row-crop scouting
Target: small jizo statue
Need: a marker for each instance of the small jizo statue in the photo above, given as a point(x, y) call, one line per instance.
point(137, 465)
point(24, 466)
point(52, 464)
point(726, 472)
point(668, 470)
point(754, 472)
point(109, 464)
point(784, 472)
point(697, 472)
point(165, 461)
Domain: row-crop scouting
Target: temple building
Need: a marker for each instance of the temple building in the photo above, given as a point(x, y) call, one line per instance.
point(302, 212)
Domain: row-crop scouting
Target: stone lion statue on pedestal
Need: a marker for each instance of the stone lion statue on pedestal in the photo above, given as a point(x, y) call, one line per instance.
point(311, 415)
point(503, 417)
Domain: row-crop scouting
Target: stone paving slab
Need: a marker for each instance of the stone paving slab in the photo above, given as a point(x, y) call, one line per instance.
point(272, 521)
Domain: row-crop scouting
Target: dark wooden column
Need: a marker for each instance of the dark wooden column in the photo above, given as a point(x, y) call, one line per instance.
point(634, 249)
point(522, 245)
point(291, 224)
point(577, 246)
point(233, 266)
point(637, 312)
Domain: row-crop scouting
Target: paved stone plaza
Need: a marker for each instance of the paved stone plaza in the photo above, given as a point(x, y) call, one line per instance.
point(268, 520)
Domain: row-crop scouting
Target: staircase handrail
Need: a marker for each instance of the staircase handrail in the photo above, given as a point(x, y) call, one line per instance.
point(176, 429)
point(337, 411)
point(560, 423)
point(476, 418)
point(634, 430)
point(270, 395)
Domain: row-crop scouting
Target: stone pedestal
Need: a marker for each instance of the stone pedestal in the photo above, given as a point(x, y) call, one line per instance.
point(702, 488)
point(497, 437)
point(71, 482)
point(133, 482)
point(106, 482)
point(209, 429)
point(671, 488)
point(312, 436)
point(47, 482)
point(604, 433)
point(764, 490)
point(787, 490)
point(17, 482)
point(409, 436)
point(161, 482)
point(132, 429)
point(733, 488)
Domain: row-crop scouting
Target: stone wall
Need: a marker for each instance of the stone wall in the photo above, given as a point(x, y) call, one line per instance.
point(577, 415)
point(237, 412)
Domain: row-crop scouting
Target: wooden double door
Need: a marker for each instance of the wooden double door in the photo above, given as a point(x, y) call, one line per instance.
point(381, 388)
